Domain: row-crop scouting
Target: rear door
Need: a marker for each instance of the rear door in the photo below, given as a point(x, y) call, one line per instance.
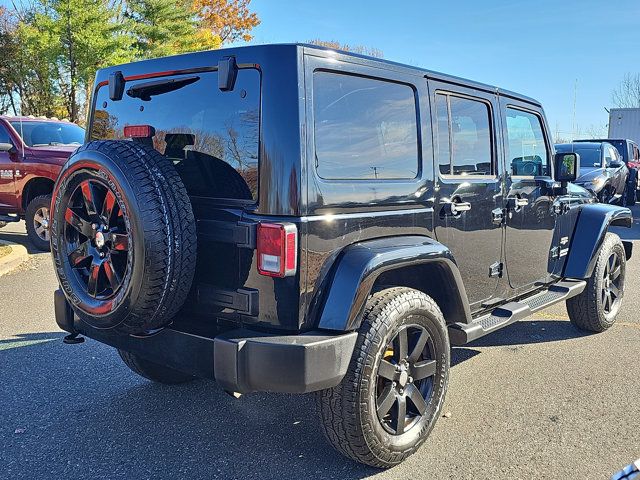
point(617, 174)
point(212, 138)
point(530, 218)
point(469, 192)
point(7, 176)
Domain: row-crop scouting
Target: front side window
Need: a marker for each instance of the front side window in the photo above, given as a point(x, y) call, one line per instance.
point(47, 134)
point(464, 136)
point(4, 135)
point(526, 148)
point(211, 136)
point(365, 129)
point(609, 156)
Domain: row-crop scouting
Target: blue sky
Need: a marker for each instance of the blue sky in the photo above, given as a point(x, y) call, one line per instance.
point(539, 48)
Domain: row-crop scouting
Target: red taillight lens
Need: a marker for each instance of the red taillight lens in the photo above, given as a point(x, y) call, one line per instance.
point(277, 249)
point(139, 131)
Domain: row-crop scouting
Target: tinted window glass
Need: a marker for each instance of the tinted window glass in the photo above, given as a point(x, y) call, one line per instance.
point(444, 148)
point(469, 133)
point(4, 136)
point(526, 148)
point(45, 134)
point(211, 136)
point(364, 128)
point(590, 158)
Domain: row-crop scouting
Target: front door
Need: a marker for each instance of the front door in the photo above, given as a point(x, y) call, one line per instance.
point(530, 216)
point(469, 195)
point(7, 185)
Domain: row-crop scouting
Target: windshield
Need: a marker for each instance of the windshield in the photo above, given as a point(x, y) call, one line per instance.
point(590, 158)
point(211, 136)
point(45, 134)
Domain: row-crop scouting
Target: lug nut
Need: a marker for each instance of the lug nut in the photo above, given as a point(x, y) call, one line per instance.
point(393, 384)
point(401, 391)
point(410, 379)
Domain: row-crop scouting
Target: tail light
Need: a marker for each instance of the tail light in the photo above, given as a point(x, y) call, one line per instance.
point(139, 131)
point(277, 249)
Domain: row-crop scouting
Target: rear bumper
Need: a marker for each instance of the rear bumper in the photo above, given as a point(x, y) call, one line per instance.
point(239, 360)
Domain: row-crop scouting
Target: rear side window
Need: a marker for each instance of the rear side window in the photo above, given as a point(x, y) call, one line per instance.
point(364, 128)
point(526, 147)
point(464, 136)
point(211, 136)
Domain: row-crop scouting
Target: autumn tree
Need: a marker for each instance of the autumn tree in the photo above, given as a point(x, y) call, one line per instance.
point(227, 20)
point(360, 49)
point(51, 49)
point(164, 27)
point(627, 94)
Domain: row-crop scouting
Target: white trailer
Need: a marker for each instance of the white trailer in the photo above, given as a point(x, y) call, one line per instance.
point(624, 123)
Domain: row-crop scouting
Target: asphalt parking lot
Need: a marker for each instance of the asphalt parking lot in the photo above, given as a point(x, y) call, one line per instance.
point(536, 400)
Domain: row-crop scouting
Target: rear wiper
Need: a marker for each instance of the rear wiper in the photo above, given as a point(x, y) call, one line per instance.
point(144, 91)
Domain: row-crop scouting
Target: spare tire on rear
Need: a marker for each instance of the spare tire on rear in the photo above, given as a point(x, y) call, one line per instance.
point(123, 236)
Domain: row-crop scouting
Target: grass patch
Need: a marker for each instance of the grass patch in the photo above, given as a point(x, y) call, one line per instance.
point(4, 250)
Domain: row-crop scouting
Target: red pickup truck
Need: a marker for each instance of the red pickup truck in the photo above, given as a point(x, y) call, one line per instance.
point(32, 152)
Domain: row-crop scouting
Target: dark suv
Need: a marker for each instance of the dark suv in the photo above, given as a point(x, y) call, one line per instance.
point(290, 218)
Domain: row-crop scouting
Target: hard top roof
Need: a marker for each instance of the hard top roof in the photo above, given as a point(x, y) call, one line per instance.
point(197, 57)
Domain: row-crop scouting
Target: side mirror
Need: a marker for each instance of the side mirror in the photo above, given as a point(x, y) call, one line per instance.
point(616, 164)
point(566, 167)
point(7, 147)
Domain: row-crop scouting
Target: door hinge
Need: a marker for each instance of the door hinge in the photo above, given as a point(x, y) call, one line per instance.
point(495, 270)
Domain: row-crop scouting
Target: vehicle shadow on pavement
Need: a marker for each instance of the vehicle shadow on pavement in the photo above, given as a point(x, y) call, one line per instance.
point(78, 412)
point(19, 238)
point(531, 331)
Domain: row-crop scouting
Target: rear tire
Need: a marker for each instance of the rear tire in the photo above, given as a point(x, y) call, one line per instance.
point(390, 398)
point(596, 308)
point(37, 220)
point(630, 189)
point(153, 371)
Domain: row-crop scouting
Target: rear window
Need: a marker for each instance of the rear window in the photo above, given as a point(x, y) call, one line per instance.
point(211, 136)
point(365, 129)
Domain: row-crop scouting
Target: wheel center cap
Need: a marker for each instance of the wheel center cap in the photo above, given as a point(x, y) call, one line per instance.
point(99, 239)
point(404, 377)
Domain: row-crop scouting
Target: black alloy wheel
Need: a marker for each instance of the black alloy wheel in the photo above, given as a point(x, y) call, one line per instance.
point(611, 284)
point(405, 379)
point(96, 239)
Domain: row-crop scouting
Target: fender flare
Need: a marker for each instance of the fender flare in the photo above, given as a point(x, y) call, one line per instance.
point(359, 265)
point(591, 227)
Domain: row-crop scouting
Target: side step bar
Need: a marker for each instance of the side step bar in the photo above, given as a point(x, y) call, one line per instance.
point(463, 333)
point(9, 218)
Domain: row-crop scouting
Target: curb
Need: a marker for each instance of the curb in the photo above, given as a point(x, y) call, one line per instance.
point(12, 261)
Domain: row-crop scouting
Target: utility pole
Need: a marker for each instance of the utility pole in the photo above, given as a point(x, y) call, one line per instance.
point(375, 171)
point(573, 123)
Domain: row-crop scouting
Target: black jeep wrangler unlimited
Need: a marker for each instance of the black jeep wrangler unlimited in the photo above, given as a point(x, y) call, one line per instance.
point(290, 218)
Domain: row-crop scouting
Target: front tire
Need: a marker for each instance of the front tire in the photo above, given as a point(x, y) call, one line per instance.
point(390, 398)
point(37, 220)
point(596, 308)
point(153, 371)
